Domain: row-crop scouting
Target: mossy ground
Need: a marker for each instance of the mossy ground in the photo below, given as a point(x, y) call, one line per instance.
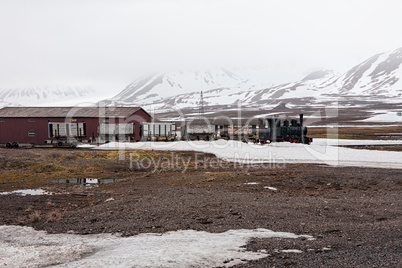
point(356, 133)
point(39, 167)
point(32, 168)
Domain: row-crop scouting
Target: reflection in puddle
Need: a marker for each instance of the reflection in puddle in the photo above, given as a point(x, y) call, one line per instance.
point(90, 180)
point(28, 192)
point(87, 180)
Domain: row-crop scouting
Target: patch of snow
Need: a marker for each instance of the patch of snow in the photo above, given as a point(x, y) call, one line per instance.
point(385, 117)
point(85, 146)
point(271, 188)
point(291, 251)
point(321, 151)
point(25, 247)
point(340, 126)
point(199, 113)
point(252, 183)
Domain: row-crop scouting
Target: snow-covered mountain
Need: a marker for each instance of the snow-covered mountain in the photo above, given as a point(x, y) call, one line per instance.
point(377, 77)
point(159, 87)
point(44, 96)
point(380, 74)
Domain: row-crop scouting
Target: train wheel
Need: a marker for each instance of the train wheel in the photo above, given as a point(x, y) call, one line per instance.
point(59, 144)
point(9, 145)
point(15, 144)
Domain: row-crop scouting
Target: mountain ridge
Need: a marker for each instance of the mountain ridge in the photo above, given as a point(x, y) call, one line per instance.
point(378, 76)
point(33, 96)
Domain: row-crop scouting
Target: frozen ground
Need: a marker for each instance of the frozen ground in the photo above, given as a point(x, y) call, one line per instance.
point(321, 151)
point(25, 247)
point(385, 116)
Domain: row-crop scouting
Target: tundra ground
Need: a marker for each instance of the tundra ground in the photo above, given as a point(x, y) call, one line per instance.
point(355, 214)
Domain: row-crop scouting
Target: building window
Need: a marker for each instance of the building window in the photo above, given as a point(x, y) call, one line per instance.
point(31, 133)
point(31, 119)
point(2, 120)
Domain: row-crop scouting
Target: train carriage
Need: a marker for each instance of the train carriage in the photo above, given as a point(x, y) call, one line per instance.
point(158, 131)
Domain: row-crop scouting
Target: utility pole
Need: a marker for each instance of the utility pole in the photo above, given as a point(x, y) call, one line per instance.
point(201, 105)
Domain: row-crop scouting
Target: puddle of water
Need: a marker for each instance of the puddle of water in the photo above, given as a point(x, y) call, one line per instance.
point(91, 181)
point(87, 180)
point(28, 192)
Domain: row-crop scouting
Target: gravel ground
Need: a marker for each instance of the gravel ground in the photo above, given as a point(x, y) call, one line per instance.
point(355, 214)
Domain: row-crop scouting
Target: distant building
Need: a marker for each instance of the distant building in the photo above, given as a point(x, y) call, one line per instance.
point(61, 126)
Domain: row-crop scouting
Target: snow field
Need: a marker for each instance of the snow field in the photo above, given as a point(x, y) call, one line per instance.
point(25, 247)
point(321, 151)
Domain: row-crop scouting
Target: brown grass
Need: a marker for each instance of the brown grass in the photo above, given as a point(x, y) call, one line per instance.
point(361, 133)
point(35, 216)
point(37, 167)
point(55, 215)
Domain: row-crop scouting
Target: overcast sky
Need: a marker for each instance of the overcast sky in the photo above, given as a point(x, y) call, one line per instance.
point(107, 44)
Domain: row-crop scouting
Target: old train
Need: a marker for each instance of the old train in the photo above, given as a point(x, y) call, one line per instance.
point(266, 131)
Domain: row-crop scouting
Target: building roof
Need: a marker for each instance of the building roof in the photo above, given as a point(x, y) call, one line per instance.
point(96, 112)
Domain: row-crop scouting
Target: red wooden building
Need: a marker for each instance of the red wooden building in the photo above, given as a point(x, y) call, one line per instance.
point(68, 125)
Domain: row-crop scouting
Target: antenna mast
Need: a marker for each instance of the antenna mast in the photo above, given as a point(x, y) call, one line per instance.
point(202, 105)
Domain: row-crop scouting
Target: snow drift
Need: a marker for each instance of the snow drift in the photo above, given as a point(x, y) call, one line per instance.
point(25, 247)
point(321, 151)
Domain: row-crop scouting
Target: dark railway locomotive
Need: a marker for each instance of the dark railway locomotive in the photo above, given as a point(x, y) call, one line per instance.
point(267, 130)
point(271, 130)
